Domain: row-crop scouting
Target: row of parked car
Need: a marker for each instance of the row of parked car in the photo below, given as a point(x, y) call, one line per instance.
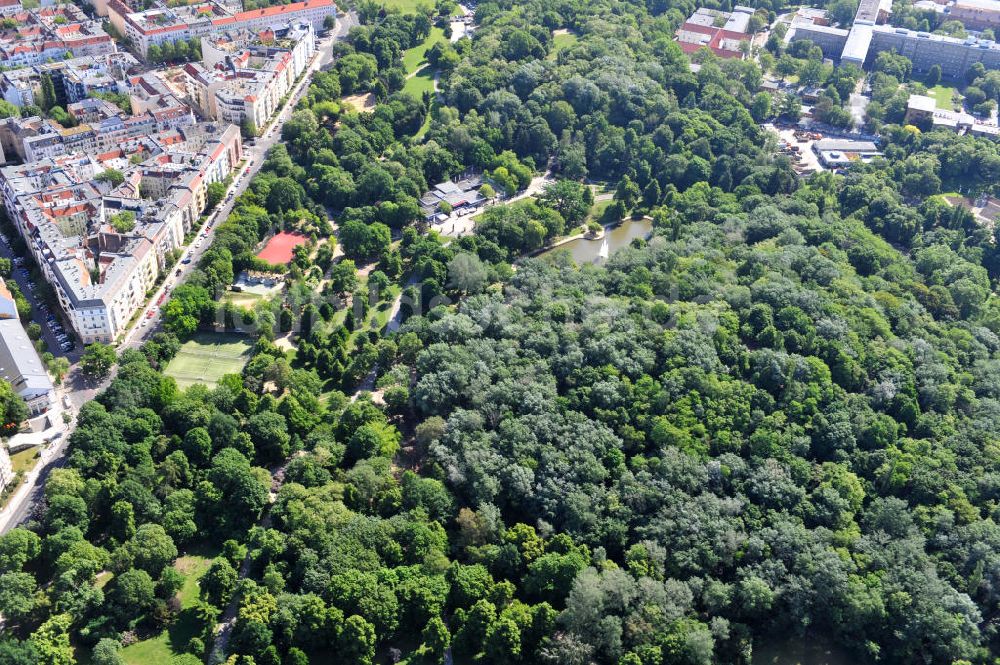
point(64, 340)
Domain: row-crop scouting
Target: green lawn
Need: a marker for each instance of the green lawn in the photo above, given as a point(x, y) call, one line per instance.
point(161, 649)
point(413, 58)
point(409, 6)
point(405, 6)
point(103, 578)
point(207, 357)
point(943, 94)
point(421, 82)
point(241, 298)
point(563, 40)
point(598, 209)
point(192, 567)
point(427, 124)
point(25, 460)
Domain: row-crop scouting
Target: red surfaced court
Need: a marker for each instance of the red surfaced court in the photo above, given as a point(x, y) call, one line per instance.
point(278, 249)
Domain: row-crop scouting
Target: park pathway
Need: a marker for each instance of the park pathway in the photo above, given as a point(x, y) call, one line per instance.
point(224, 628)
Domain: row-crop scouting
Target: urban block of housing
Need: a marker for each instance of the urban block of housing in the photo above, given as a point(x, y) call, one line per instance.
point(73, 79)
point(101, 245)
point(243, 76)
point(102, 204)
point(163, 24)
point(52, 32)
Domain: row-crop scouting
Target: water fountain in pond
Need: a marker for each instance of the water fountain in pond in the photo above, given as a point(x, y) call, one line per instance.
point(603, 252)
point(586, 250)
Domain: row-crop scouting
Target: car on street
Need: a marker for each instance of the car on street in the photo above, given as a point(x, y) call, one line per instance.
point(186, 261)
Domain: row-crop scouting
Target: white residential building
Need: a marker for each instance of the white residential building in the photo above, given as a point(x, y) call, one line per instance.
point(244, 76)
point(164, 24)
point(101, 275)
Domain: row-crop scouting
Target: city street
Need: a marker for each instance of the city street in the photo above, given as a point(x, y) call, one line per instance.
point(81, 390)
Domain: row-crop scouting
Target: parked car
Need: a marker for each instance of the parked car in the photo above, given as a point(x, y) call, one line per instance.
point(186, 261)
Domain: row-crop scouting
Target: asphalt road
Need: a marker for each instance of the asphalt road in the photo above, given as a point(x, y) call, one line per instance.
point(81, 390)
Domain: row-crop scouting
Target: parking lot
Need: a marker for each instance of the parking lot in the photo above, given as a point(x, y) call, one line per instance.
point(797, 148)
point(58, 340)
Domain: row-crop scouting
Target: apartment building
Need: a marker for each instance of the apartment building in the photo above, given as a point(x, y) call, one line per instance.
point(101, 126)
point(65, 211)
point(162, 24)
point(244, 75)
point(72, 79)
point(52, 32)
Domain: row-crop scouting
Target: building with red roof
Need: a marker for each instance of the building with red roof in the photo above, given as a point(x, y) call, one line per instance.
point(162, 24)
point(720, 32)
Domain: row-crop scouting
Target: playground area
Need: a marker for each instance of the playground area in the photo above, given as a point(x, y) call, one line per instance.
point(278, 250)
point(207, 357)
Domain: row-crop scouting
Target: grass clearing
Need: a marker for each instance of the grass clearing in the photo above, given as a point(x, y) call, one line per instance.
point(944, 96)
point(562, 39)
point(413, 58)
point(405, 6)
point(192, 567)
point(410, 6)
point(207, 357)
point(360, 103)
point(242, 298)
point(426, 126)
point(421, 82)
point(597, 210)
point(159, 650)
point(25, 460)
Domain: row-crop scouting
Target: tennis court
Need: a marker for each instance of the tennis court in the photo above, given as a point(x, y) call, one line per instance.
point(278, 250)
point(207, 357)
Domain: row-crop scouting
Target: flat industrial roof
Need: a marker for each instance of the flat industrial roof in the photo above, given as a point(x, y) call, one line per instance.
point(859, 40)
point(922, 103)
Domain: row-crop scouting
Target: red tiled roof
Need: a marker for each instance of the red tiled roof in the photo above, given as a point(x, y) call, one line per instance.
point(282, 9)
